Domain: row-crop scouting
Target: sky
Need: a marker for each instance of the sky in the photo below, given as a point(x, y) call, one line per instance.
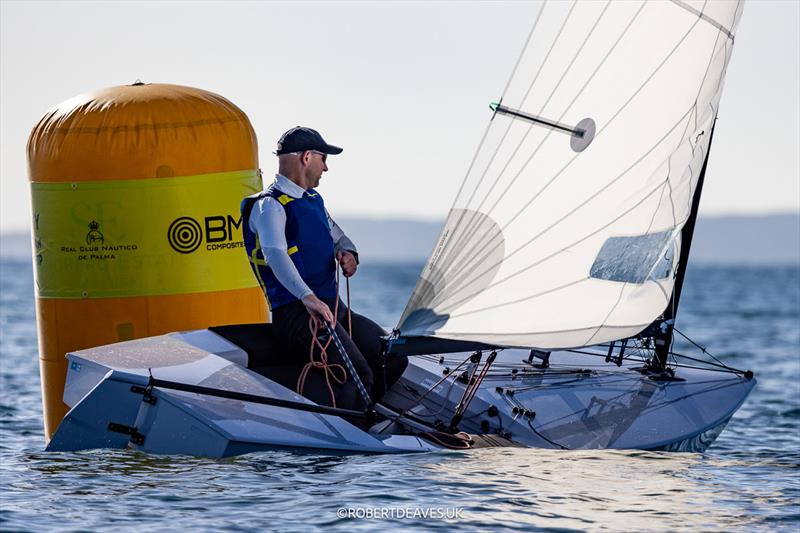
point(404, 87)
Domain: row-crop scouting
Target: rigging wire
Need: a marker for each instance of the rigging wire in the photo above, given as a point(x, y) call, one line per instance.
point(672, 304)
point(542, 107)
point(540, 261)
point(473, 384)
point(441, 407)
point(522, 412)
point(489, 123)
point(693, 108)
point(478, 245)
point(479, 262)
point(457, 246)
point(554, 443)
point(453, 374)
point(610, 121)
point(707, 69)
point(702, 348)
point(524, 48)
point(554, 224)
point(717, 366)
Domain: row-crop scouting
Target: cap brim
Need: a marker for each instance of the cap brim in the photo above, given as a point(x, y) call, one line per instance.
point(331, 150)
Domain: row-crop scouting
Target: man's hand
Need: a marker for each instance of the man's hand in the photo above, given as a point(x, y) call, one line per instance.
point(348, 262)
point(318, 309)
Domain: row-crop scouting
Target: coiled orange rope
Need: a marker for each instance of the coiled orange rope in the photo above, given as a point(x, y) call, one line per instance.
point(329, 369)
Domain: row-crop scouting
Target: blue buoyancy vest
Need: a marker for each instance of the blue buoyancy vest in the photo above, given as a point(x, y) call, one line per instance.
point(309, 245)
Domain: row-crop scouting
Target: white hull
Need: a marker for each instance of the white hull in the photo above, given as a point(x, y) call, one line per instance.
point(581, 402)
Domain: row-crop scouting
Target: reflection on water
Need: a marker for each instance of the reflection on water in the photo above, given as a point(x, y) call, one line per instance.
point(612, 490)
point(516, 488)
point(749, 479)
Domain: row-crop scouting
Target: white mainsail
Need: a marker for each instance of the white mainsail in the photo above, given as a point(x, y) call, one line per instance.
point(550, 247)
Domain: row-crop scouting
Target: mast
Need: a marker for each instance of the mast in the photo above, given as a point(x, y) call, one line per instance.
point(663, 339)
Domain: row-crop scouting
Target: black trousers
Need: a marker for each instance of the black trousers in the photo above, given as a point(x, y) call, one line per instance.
point(377, 372)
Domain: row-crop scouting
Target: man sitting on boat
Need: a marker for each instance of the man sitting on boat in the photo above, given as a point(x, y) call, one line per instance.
point(293, 246)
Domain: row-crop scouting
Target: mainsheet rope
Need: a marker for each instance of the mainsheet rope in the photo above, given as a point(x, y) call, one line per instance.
point(329, 370)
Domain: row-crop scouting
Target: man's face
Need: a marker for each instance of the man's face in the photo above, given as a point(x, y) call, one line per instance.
point(316, 165)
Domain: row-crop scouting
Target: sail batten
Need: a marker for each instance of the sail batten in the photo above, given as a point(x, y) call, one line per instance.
point(558, 221)
point(536, 150)
point(541, 110)
point(548, 291)
point(548, 247)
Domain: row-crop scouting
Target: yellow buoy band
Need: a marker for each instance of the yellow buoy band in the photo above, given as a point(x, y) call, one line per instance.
point(97, 239)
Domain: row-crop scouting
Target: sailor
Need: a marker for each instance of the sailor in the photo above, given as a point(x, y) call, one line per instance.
point(294, 246)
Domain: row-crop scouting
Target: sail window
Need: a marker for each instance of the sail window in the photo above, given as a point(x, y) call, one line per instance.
point(528, 233)
point(634, 259)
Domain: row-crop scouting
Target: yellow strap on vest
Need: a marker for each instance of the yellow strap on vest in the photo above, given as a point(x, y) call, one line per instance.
point(253, 258)
point(263, 262)
point(256, 261)
point(285, 199)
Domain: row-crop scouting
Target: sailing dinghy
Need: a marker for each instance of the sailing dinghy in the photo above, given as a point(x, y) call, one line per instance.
point(545, 315)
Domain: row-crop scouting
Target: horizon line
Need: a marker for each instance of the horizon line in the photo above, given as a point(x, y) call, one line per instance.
point(431, 220)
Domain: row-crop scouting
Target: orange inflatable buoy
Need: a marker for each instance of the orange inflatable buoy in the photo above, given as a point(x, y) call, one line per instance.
point(136, 224)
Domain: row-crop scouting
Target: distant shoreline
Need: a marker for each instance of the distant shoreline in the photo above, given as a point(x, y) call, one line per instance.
point(772, 239)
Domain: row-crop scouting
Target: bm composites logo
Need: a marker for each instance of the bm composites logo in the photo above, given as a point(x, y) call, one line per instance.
point(186, 234)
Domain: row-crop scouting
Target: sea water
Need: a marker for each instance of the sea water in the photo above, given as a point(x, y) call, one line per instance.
point(748, 480)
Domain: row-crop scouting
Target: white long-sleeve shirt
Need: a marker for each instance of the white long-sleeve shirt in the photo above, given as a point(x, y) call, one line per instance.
point(268, 221)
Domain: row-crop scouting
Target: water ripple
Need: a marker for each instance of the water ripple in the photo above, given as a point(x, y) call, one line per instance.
point(749, 480)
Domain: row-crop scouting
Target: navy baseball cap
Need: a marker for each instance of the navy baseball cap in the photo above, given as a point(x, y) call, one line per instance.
point(300, 139)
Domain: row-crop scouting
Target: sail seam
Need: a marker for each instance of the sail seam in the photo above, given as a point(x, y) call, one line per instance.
point(624, 213)
point(705, 17)
point(478, 245)
point(553, 179)
point(461, 253)
point(694, 147)
point(414, 295)
point(470, 224)
point(611, 120)
point(661, 186)
point(524, 49)
point(505, 134)
point(489, 125)
point(510, 78)
point(582, 204)
point(625, 284)
point(526, 298)
point(655, 212)
point(671, 302)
